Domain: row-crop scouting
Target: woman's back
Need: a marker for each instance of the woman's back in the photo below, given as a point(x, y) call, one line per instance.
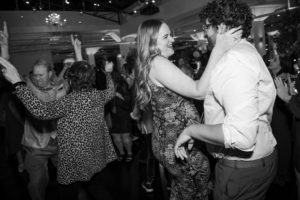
point(83, 136)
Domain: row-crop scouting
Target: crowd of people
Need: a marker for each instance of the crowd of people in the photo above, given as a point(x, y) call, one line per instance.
point(83, 117)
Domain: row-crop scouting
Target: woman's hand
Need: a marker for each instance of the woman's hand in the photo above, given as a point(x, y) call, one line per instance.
point(9, 71)
point(179, 148)
point(282, 89)
point(227, 39)
point(76, 43)
point(109, 66)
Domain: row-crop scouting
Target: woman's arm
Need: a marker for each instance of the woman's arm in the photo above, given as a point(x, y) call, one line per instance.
point(77, 47)
point(168, 75)
point(110, 91)
point(39, 109)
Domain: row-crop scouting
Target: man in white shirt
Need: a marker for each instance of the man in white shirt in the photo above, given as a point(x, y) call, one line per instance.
point(238, 110)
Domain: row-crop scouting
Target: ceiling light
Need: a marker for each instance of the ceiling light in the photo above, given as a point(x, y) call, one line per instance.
point(67, 2)
point(55, 19)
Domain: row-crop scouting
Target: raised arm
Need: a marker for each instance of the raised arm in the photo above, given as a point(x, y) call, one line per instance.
point(4, 42)
point(38, 108)
point(168, 75)
point(77, 47)
point(110, 91)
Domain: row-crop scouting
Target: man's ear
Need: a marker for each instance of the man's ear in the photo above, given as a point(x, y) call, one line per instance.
point(222, 28)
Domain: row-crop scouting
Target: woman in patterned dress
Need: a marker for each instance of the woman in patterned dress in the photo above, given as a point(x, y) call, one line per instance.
point(84, 144)
point(159, 80)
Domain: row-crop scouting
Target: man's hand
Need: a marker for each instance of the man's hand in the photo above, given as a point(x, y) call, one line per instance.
point(179, 148)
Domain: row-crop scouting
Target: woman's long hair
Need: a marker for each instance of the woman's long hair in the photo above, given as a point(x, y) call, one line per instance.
point(146, 51)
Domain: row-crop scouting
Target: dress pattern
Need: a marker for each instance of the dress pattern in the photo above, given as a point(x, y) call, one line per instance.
point(84, 144)
point(171, 114)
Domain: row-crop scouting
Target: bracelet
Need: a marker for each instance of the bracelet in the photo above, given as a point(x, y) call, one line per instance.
point(15, 85)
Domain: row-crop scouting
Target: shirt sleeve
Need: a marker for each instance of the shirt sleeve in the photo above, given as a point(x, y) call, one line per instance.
point(237, 91)
point(42, 110)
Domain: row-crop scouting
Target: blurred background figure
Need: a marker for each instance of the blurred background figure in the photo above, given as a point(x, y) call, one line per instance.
point(121, 123)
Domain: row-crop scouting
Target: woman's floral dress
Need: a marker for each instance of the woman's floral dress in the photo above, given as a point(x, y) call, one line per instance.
point(171, 114)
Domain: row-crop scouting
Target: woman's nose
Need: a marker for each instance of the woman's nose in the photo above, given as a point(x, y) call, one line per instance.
point(172, 39)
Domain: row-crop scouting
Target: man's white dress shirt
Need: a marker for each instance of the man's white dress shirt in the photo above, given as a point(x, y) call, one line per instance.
point(241, 97)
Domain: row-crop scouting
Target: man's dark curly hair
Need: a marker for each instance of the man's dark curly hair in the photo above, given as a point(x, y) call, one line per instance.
point(232, 13)
point(81, 76)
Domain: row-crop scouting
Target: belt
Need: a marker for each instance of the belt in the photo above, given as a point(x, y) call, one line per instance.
point(248, 164)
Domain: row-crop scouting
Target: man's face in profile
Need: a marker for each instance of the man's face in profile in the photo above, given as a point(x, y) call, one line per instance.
point(210, 33)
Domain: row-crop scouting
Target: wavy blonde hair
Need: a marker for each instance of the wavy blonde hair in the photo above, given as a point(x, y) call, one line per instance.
point(146, 51)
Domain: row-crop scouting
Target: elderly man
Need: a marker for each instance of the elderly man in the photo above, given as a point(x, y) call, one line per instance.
point(39, 139)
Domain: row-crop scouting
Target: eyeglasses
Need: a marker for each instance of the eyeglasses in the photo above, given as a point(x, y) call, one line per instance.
point(206, 26)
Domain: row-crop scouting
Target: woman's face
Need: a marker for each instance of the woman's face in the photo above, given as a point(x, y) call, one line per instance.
point(165, 41)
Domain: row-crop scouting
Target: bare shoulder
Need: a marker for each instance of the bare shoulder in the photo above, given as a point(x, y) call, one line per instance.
point(160, 63)
point(158, 60)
